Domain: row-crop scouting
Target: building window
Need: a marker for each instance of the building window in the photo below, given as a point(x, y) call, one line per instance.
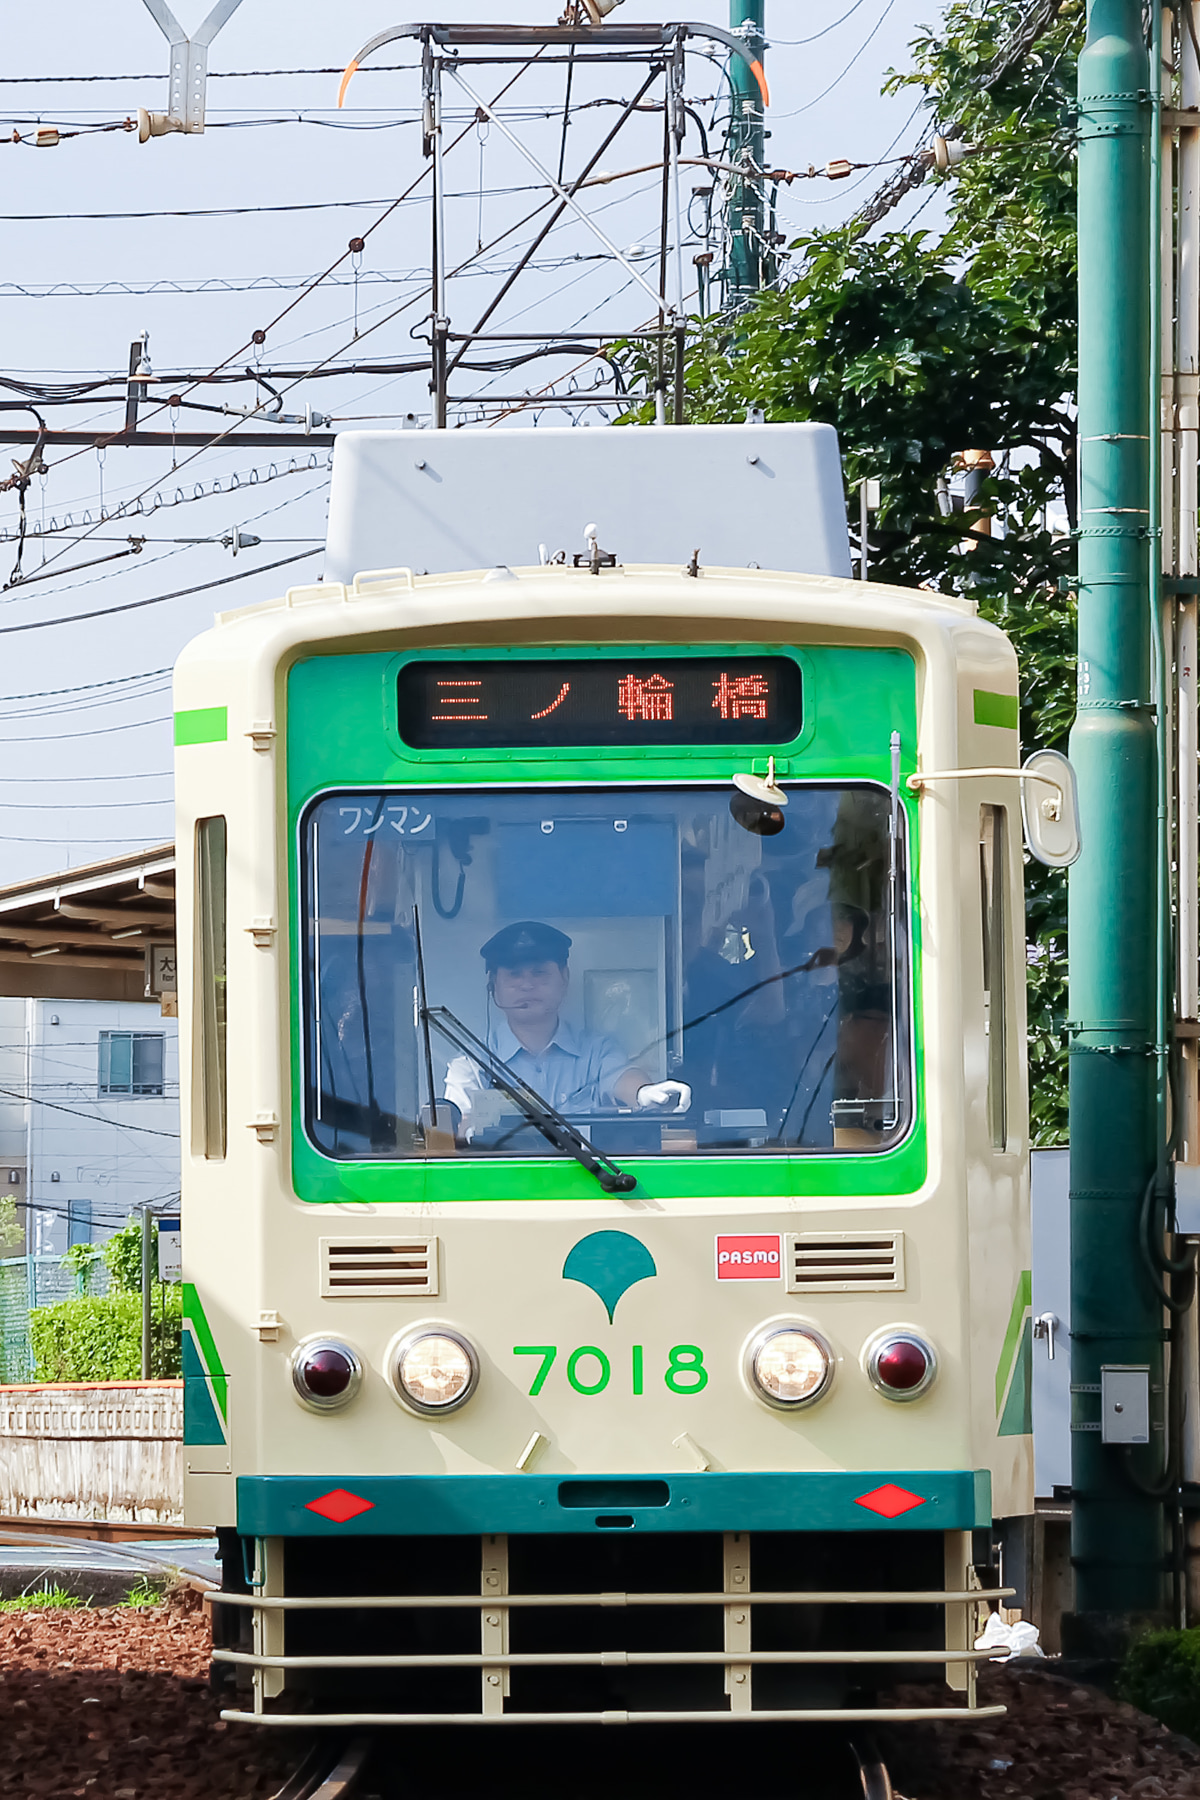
point(131, 1062)
point(79, 1222)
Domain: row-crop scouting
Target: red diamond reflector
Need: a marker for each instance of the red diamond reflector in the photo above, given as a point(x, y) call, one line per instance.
point(889, 1501)
point(339, 1506)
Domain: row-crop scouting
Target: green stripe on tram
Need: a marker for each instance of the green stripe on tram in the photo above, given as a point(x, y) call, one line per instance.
point(1022, 1302)
point(996, 709)
point(202, 725)
point(201, 1423)
point(194, 1316)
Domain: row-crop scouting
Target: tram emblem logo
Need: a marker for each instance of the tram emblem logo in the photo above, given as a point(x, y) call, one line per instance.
point(610, 1263)
point(746, 1257)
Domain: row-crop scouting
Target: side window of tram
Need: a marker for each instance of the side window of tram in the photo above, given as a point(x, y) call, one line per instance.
point(209, 1111)
point(992, 885)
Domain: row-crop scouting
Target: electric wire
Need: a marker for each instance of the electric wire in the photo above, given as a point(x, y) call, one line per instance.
point(105, 612)
point(96, 1118)
point(57, 780)
point(86, 686)
point(213, 75)
point(794, 43)
point(57, 737)
point(261, 335)
point(840, 77)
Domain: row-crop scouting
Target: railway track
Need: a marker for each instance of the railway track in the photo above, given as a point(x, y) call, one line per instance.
point(335, 1768)
point(331, 1770)
point(15, 1529)
point(876, 1782)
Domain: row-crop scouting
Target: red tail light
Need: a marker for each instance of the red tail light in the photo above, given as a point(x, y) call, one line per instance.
point(901, 1365)
point(326, 1374)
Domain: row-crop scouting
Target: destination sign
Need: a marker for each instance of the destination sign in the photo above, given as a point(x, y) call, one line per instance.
point(601, 700)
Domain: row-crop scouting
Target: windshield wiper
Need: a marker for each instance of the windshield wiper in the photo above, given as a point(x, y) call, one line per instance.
point(558, 1130)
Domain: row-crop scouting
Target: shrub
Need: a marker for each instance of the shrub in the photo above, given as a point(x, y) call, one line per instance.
point(1161, 1676)
point(123, 1256)
point(81, 1259)
point(91, 1339)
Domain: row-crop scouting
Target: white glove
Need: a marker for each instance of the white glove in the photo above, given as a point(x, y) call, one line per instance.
point(676, 1095)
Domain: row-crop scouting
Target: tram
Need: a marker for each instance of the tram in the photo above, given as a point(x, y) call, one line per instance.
point(605, 1151)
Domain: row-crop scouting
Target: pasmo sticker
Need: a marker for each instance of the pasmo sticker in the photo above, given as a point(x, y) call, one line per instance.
point(749, 1258)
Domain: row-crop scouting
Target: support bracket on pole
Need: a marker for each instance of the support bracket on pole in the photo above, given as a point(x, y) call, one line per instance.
point(189, 69)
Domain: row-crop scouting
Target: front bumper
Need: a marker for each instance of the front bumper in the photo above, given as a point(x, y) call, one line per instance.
point(496, 1599)
point(474, 1505)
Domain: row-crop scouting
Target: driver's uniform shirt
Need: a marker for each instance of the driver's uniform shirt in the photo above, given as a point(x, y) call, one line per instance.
point(576, 1072)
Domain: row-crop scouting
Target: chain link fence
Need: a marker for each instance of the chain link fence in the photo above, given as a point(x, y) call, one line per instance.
point(27, 1282)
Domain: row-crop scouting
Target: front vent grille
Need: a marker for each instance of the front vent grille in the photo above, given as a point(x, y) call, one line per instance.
point(387, 1266)
point(844, 1262)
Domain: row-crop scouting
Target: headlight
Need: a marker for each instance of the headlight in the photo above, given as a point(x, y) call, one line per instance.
point(326, 1373)
point(789, 1366)
point(900, 1364)
point(434, 1370)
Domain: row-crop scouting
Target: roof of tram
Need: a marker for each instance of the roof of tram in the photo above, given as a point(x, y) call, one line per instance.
point(91, 933)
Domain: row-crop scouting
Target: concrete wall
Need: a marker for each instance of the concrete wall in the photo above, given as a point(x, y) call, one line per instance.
point(110, 1450)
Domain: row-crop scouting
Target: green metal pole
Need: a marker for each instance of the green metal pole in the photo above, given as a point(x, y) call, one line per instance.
point(746, 139)
point(1117, 1536)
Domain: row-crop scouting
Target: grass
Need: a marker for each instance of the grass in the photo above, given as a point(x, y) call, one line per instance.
point(39, 1598)
point(146, 1593)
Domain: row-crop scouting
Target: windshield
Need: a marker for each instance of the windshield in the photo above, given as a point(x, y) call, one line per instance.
point(663, 977)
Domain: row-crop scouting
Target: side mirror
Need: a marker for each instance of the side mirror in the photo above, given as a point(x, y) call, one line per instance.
point(1050, 809)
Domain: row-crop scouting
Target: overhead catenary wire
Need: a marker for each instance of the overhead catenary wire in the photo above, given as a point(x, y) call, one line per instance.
point(105, 612)
point(213, 75)
point(260, 335)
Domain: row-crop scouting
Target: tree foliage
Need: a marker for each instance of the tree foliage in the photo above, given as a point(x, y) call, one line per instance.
point(12, 1234)
point(918, 346)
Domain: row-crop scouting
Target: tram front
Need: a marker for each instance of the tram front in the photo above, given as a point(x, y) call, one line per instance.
point(606, 1075)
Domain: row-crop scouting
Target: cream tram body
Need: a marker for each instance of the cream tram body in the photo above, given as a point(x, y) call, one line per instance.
point(624, 1467)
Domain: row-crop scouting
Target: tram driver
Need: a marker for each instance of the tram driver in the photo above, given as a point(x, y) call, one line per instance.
point(577, 1071)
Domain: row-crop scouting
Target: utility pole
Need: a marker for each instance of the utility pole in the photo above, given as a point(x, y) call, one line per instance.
point(1117, 1535)
point(746, 145)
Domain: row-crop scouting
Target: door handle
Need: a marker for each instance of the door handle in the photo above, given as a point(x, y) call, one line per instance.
point(1044, 1326)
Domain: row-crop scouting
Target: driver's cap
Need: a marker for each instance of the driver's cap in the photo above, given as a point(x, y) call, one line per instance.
point(528, 941)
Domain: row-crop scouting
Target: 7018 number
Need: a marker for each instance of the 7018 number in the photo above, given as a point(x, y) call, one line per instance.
point(589, 1369)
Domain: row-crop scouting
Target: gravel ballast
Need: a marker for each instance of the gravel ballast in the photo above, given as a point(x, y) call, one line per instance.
point(113, 1703)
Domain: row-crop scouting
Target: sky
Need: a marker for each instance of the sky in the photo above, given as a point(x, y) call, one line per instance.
point(85, 740)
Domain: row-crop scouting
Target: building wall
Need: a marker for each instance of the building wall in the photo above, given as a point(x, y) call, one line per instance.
point(83, 1161)
point(13, 1123)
